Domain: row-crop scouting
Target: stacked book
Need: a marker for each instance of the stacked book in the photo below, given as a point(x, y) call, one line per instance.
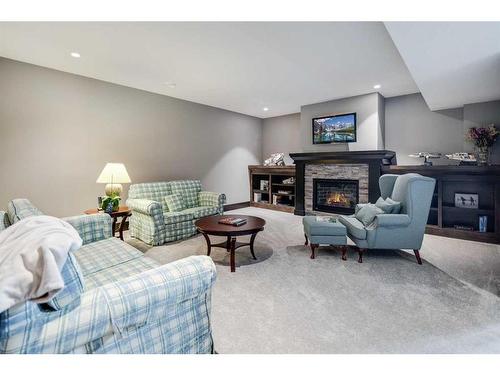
point(235, 221)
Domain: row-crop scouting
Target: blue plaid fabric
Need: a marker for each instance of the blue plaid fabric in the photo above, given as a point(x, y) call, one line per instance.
point(154, 224)
point(18, 209)
point(92, 228)
point(4, 220)
point(174, 202)
point(116, 300)
point(73, 285)
point(188, 190)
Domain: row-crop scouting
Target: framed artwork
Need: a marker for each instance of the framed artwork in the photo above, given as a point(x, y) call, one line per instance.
point(466, 200)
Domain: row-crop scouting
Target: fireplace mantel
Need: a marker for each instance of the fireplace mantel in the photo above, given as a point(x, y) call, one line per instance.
point(373, 159)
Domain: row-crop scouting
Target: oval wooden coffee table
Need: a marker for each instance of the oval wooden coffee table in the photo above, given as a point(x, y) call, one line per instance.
point(210, 226)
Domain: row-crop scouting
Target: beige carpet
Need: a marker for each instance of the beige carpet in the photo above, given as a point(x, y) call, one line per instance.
point(287, 303)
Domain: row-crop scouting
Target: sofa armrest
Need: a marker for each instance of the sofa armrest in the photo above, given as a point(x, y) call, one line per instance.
point(392, 220)
point(92, 228)
point(4, 220)
point(209, 198)
point(122, 306)
point(145, 206)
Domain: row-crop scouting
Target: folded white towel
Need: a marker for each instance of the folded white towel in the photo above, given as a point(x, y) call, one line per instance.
point(32, 254)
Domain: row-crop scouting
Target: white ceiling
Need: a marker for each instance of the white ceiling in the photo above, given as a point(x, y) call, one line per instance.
point(453, 63)
point(241, 67)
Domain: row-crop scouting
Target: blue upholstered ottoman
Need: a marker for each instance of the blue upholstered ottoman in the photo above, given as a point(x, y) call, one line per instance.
point(324, 233)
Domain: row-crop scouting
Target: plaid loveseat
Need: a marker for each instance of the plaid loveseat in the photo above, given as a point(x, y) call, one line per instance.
point(153, 223)
point(115, 299)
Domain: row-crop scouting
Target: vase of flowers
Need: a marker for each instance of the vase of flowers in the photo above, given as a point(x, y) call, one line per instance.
point(483, 139)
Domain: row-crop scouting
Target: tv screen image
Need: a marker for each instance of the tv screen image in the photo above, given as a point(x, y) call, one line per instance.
point(334, 129)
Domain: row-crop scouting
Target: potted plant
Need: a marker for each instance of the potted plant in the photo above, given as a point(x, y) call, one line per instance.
point(483, 139)
point(111, 203)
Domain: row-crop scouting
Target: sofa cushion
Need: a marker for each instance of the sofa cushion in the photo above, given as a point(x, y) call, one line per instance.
point(119, 272)
point(189, 190)
point(154, 191)
point(177, 217)
point(73, 285)
point(175, 202)
point(313, 227)
point(97, 256)
point(368, 213)
point(198, 212)
point(18, 209)
point(388, 205)
point(354, 226)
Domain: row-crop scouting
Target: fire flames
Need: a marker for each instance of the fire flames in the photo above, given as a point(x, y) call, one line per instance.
point(337, 198)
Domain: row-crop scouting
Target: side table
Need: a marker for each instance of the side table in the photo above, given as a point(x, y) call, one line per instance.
point(123, 211)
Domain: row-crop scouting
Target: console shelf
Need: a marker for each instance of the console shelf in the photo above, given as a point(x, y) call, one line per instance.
point(444, 215)
point(279, 196)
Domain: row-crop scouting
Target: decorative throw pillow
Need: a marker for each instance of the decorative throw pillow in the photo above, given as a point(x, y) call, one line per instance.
point(388, 205)
point(367, 213)
point(175, 202)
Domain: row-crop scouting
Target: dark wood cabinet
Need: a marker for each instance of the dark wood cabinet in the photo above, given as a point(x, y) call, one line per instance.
point(267, 187)
point(444, 216)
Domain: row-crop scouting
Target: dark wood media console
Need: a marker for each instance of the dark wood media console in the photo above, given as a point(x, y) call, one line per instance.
point(273, 196)
point(484, 181)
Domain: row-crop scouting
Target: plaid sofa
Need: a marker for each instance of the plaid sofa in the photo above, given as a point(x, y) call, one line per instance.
point(115, 299)
point(154, 224)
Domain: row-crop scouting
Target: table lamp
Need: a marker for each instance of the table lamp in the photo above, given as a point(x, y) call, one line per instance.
point(113, 174)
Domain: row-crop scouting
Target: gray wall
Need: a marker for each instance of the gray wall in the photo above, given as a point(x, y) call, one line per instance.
point(281, 134)
point(58, 130)
point(483, 114)
point(411, 127)
point(370, 126)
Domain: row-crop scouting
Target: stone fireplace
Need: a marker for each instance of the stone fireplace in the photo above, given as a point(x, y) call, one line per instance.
point(334, 182)
point(335, 195)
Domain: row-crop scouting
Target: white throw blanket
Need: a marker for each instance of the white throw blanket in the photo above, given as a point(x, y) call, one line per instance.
point(32, 254)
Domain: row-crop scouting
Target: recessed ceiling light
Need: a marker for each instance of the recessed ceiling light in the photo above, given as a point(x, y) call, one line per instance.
point(75, 54)
point(265, 109)
point(377, 86)
point(170, 85)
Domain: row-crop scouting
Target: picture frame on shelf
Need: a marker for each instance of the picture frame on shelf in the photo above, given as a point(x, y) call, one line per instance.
point(264, 185)
point(466, 200)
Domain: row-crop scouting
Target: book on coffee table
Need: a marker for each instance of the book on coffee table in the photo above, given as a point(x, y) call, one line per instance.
point(234, 221)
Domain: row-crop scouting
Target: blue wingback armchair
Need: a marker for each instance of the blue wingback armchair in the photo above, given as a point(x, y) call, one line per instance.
point(396, 231)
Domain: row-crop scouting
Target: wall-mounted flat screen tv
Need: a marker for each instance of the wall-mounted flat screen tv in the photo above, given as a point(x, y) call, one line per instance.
point(334, 129)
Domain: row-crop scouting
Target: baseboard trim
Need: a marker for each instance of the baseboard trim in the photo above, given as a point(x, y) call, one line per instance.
point(235, 206)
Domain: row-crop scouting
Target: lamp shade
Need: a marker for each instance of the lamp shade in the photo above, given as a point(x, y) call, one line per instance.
point(114, 173)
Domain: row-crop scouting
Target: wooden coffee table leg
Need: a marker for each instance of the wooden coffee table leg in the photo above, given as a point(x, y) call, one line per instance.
point(232, 255)
point(209, 245)
point(252, 239)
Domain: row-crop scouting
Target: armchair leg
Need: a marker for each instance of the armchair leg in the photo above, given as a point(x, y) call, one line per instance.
point(417, 255)
point(344, 252)
point(307, 240)
point(360, 252)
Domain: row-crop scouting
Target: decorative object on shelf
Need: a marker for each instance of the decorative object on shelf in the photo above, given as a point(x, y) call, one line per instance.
point(111, 204)
point(289, 181)
point(113, 175)
point(426, 156)
point(285, 192)
point(99, 202)
point(275, 159)
point(465, 200)
point(483, 139)
point(464, 158)
point(257, 197)
point(483, 224)
point(463, 227)
point(264, 185)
